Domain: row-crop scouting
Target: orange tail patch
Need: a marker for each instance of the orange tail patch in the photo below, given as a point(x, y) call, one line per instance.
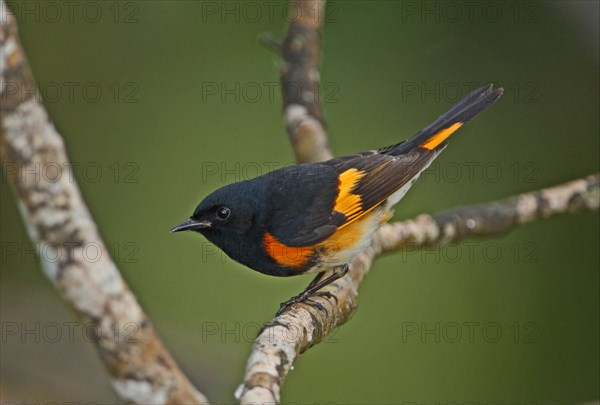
point(441, 136)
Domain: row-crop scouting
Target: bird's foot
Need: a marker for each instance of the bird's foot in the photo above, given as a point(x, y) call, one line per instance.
point(313, 289)
point(299, 298)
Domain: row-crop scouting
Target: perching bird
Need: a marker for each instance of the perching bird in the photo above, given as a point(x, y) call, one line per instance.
point(315, 217)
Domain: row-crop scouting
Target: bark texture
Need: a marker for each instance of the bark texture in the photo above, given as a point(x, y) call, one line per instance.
point(60, 225)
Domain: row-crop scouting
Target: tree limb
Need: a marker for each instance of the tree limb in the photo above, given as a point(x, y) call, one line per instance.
point(58, 221)
point(302, 325)
point(492, 219)
point(302, 109)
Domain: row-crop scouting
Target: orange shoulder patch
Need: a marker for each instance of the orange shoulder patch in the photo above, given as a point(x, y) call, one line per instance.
point(286, 255)
point(347, 203)
point(441, 136)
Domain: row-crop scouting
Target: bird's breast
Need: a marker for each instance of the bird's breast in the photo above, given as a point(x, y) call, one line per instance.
point(337, 250)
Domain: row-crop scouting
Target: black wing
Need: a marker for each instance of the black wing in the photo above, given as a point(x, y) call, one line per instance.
point(330, 195)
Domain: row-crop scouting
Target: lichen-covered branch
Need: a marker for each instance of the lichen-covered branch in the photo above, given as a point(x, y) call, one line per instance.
point(492, 219)
point(60, 226)
point(304, 325)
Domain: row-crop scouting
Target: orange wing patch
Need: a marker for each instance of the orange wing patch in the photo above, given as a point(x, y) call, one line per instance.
point(287, 255)
point(441, 136)
point(347, 203)
point(346, 237)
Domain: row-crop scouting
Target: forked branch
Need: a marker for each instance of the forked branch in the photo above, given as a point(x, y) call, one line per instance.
point(303, 325)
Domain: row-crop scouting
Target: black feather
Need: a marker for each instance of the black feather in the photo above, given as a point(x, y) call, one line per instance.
point(463, 111)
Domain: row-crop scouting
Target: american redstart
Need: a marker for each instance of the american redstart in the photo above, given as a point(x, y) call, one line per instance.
point(315, 217)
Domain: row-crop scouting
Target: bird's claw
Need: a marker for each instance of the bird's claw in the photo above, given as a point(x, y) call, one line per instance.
point(314, 288)
point(299, 298)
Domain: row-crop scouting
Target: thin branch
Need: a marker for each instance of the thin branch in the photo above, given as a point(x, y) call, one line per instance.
point(302, 109)
point(495, 218)
point(304, 325)
point(271, 42)
point(60, 225)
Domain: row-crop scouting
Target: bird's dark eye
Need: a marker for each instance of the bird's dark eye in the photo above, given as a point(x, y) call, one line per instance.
point(223, 213)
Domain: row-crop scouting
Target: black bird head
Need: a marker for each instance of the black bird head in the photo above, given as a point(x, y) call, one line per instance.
point(226, 217)
point(227, 210)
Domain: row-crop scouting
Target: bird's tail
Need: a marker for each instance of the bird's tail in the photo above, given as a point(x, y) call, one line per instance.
point(433, 137)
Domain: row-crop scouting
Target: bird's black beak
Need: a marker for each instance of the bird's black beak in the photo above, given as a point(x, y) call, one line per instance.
point(191, 225)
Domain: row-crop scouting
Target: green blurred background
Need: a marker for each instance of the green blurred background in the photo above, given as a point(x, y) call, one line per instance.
point(189, 102)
